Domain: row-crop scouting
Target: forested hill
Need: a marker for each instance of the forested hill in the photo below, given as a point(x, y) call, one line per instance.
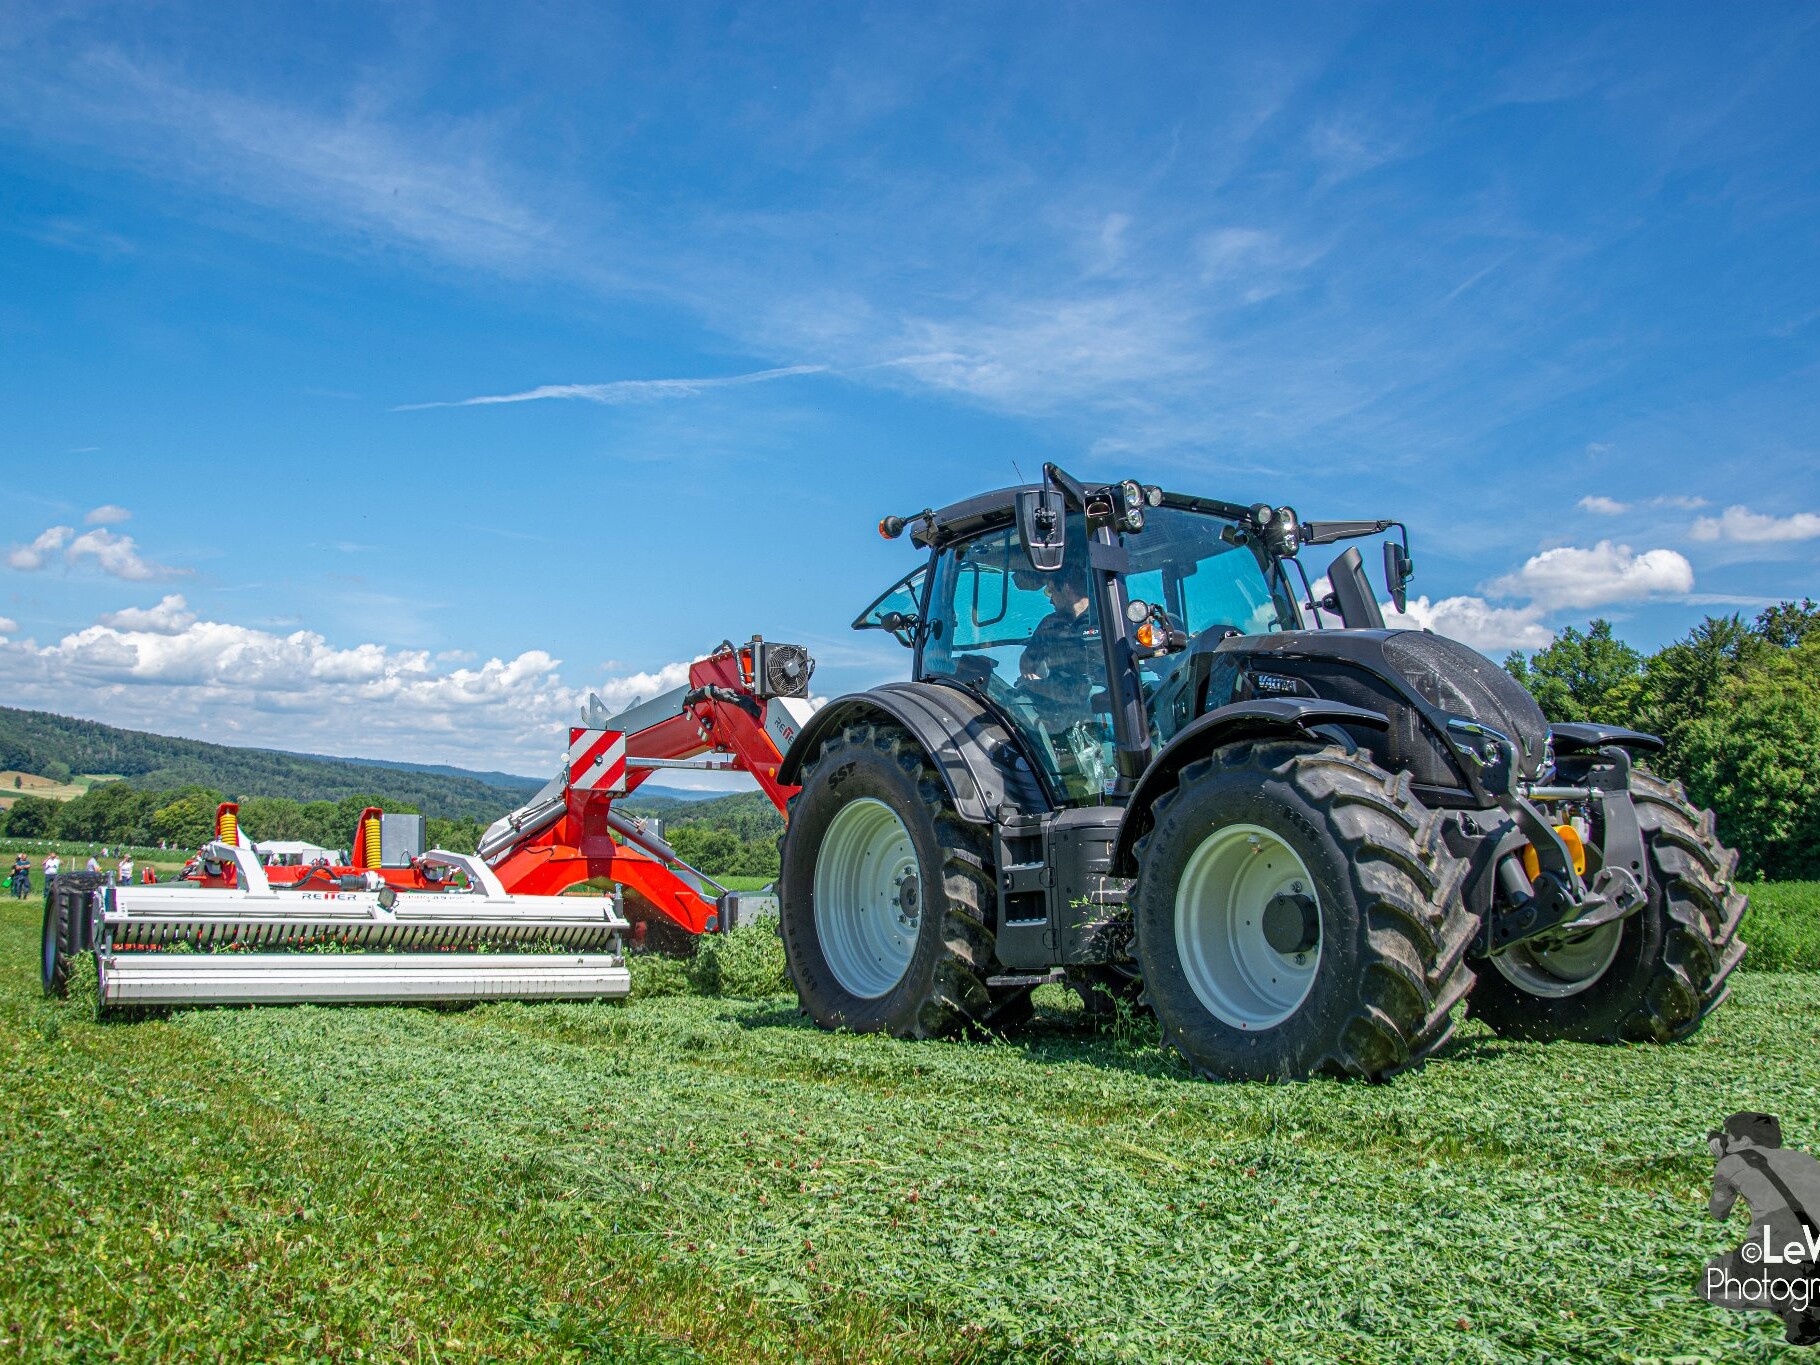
point(39, 742)
point(506, 781)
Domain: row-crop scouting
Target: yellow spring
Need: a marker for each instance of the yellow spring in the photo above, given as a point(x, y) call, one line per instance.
point(370, 838)
point(1576, 849)
point(228, 828)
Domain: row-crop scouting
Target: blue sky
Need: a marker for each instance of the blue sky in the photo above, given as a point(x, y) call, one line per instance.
point(1542, 280)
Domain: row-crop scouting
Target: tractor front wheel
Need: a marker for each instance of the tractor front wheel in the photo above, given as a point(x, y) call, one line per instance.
point(884, 894)
point(1652, 977)
point(1297, 913)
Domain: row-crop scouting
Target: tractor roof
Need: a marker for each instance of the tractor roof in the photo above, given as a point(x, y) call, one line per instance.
point(983, 511)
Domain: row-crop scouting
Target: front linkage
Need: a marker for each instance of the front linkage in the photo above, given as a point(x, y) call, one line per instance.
point(1556, 897)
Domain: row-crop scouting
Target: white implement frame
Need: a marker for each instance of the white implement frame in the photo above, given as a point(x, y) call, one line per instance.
point(145, 939)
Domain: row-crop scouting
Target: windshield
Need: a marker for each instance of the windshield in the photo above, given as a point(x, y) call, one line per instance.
point(1182, 563)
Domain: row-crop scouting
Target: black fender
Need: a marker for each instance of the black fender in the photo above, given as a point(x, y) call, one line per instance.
point(981, 762)
point(1576, 737)
point(1295, 717)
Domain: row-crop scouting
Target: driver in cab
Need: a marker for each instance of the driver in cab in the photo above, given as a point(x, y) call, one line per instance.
point(1060, 665)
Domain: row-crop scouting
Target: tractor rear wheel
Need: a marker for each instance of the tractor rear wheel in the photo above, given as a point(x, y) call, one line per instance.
point(884, 895)
point(1298, 913)
point(1652, 977)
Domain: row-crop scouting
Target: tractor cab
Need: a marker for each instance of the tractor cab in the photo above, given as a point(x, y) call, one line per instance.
point(981, 615)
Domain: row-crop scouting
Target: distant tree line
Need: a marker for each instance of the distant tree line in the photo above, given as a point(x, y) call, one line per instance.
point(115, 813)
point(1737, 704)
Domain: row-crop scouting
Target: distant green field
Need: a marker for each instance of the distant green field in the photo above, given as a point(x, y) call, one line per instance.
point(745, 883)
point(689, 1177)
point(1783, 927)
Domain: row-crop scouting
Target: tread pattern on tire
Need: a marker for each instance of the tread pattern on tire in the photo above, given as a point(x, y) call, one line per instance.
point(56, 925)
point(1419, 925)
point(959, 997)
point(1704, 910)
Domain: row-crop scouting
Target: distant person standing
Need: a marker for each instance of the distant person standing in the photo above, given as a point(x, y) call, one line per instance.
point(123, 874)
point(22, 877)
point(93, 866)
point(52, 865)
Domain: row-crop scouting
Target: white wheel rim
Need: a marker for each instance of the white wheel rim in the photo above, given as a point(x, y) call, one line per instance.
point(1219, 927)
point(868, 898)
point(1564, 968)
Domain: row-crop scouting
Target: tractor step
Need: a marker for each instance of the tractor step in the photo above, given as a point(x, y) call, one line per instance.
point(1049, 978)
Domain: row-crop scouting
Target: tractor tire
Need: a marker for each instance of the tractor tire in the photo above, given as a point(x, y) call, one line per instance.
point(886, 897)
point(59, 942)
point(1650, 978)
point(1299, 914)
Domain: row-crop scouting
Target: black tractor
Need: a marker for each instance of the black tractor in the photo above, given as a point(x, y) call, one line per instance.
point(1126, 762)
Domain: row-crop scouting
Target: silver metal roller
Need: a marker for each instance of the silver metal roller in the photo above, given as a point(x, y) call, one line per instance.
point(165, 978)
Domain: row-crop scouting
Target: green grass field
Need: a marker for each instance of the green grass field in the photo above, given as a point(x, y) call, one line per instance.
point(745, 883)
point(1783, 928)
point(685, 1177)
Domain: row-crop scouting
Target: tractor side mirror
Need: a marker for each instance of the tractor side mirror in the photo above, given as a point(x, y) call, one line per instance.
point(1398, 570)
point(1042, 527)
point(1352, 596)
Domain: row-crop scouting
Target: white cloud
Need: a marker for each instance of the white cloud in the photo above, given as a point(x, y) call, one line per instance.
point(111, 552)
point(1474, 621)
point(108, 515)
point(621, 391)
point(117, 555)
point(8, 626)
point(1602, 506)
point(1740, 523)
point(1230, 250)
point(619, 693)
point(163, 668)
point(435, 185)
point(40, 551)
point(1569, 576)
point(170, 617)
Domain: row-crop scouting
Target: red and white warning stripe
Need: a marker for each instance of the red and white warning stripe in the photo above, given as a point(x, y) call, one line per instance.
point(597, 760)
